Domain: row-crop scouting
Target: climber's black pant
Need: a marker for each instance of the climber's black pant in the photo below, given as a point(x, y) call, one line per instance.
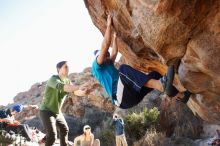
point(22, 129)
point(131, 89)
point(51, 122)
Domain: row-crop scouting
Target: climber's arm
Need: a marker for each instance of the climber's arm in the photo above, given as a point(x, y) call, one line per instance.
point(106, 42)
point(114, 48)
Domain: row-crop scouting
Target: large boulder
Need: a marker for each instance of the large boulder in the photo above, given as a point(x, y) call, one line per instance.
point(155, 33)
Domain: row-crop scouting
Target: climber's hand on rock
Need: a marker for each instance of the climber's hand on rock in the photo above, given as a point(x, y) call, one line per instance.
point(114, 35)
point(109, 20)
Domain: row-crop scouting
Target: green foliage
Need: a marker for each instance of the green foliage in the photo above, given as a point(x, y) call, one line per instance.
point(136, 124)
point(107, 137)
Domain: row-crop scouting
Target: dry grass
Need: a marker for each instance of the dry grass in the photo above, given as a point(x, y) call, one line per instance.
point(153, 138)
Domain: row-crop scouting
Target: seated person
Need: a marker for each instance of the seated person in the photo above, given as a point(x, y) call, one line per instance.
point(9, 123)
point(87, 138)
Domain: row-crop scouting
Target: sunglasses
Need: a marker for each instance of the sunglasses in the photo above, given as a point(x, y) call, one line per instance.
point(87, 128)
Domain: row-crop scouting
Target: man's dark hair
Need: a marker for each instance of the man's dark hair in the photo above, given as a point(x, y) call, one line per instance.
point(98, 51)
point(60, 64)
point(95, 52)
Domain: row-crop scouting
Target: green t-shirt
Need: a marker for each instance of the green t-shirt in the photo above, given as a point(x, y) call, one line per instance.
point(54, 94)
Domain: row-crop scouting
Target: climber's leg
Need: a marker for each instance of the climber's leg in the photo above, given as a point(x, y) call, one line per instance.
point(130, 88)
point(184, 96)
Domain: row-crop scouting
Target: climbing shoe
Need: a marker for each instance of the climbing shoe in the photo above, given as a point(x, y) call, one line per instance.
point(185, 97)
point(167, 81)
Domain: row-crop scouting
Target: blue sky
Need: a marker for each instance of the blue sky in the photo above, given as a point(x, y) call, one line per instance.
point(36, 34)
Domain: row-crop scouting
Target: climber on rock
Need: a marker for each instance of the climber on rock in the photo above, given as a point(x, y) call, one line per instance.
point(128, 86)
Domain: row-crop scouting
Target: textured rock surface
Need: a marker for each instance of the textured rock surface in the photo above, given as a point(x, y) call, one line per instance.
point(156, 33)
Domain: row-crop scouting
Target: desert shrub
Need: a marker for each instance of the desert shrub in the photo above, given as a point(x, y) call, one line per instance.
point(187, 129)
point(136, 124)
point(107, 137)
